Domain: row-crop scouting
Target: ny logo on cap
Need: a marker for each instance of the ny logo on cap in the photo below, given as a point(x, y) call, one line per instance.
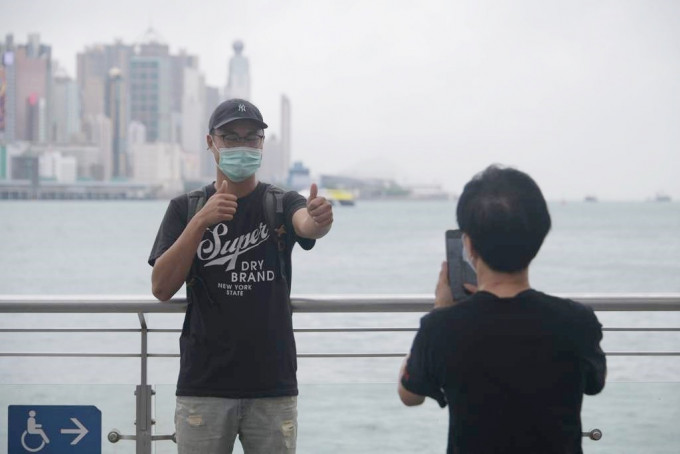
point(241, 108)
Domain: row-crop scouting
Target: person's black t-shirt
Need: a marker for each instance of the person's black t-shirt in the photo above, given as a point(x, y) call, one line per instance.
point(237, 338)
point(512, 370)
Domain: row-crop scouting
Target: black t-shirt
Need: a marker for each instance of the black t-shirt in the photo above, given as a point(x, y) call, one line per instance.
point(513, 371)
point(237, 338)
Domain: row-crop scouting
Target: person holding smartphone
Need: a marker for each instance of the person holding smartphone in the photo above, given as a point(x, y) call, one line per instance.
point(512, 363)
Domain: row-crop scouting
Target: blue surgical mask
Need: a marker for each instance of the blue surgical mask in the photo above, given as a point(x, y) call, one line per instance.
point(239, 163)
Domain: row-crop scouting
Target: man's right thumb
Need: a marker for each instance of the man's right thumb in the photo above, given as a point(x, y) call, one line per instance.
point(223, 187)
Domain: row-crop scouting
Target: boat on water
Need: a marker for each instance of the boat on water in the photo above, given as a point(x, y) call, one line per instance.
point(340, 196)
point(335, 196)
point(590, 198)
point(661, 197)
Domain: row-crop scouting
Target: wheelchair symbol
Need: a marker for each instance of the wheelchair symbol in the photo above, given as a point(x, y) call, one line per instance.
point(33, 429)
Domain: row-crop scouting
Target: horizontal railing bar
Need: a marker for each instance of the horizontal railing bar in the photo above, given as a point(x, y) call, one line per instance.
point(642, 353)
point(643, 329)
point(300, 355)
point(389, 355)
point(351, 355)
point(73, 355)
point(307, 303)
point(68, 330)
point(354, 330)
point(414, 329)
point(297, 330)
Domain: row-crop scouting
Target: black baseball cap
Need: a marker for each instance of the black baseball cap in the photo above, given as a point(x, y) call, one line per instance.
point(232, 110)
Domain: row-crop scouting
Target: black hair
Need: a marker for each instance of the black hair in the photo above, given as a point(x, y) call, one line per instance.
point(504, 213)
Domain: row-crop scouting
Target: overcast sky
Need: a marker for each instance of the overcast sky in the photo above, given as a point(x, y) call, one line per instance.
point(582, 95)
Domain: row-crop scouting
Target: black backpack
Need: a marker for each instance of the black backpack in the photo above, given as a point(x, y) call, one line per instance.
point(274, 216)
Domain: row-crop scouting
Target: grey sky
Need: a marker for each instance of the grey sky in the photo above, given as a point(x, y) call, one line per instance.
point(583, 95)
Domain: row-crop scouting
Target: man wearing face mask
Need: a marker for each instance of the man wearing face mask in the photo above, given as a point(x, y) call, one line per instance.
point(238, 359)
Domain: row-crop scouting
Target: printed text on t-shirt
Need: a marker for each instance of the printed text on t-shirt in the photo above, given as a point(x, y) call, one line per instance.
point(218, 250)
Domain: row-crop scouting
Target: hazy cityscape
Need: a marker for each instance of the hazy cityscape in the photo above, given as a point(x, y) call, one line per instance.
point(398, 95)
point(132, 124)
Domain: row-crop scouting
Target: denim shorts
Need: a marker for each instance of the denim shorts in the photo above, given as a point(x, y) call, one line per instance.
point(209, 425)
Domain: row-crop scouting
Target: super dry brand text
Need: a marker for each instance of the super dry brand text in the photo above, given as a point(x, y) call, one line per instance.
point(218, 250)
point(240, 275)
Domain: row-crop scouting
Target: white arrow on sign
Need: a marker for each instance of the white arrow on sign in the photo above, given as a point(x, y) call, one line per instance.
point(81, 431)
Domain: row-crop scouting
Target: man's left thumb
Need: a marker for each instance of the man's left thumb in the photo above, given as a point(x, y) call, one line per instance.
point(313, 192)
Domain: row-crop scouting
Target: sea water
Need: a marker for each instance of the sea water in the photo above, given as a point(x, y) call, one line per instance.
point(375, 247)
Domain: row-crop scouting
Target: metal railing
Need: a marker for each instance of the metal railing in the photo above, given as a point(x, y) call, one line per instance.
point(15, 304)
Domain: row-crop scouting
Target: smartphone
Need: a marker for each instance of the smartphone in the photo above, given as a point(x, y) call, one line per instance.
point(460, 271)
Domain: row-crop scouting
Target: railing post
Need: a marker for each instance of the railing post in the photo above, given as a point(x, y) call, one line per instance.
point(143, 394)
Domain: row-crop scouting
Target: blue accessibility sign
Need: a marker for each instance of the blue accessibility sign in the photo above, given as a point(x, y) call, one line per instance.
point(54, 429)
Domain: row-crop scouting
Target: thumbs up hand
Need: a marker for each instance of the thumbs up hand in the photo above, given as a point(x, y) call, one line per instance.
point(319, 209)
point(220, 207)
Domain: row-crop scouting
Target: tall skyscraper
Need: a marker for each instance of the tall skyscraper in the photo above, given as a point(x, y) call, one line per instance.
point(157, 82)
point(207, 161)
point(193, 111)
point(115, 111)
point(276, 154)
point(29, 77)
point(7, 91)
point(94, 65)
point(98, 128)
point(104, 81)
point(151, 86)
point(238, 83)
point(65, 109)
point(180, 62)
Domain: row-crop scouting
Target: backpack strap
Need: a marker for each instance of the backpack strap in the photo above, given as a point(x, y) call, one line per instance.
point(196, 200)
point(274, 215)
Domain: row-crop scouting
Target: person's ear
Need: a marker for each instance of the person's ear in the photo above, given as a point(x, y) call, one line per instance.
point(209, 141)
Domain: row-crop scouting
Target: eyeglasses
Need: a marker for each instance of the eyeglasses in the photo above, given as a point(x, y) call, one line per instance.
point(234, 140)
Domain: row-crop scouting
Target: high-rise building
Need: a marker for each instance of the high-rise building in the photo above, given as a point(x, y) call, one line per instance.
point(150, 87)
point(103, 78)
point(193, 111)
point(27, 75)
point(269, 167)
point(207, 160)
point(98, 128)
point(115, 111)
point(7, 91)
point(94, 65)
point(156, 86)
point(238, 83)
point(65, 109)
point(276, 153)
point(179, 63)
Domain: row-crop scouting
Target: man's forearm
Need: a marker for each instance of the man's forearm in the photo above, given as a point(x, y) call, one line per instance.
point(305, 226)
point(172, 267)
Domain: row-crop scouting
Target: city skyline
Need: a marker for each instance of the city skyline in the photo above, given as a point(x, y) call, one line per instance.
point(584, 97)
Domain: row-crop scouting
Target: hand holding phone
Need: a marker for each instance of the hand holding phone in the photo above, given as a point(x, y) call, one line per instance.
point(460, 271)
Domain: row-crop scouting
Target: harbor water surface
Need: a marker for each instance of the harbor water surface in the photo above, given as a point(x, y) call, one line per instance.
point(375, 247)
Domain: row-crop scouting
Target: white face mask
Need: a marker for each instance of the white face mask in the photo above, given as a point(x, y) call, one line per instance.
point(239, 163)
point(467, 257)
